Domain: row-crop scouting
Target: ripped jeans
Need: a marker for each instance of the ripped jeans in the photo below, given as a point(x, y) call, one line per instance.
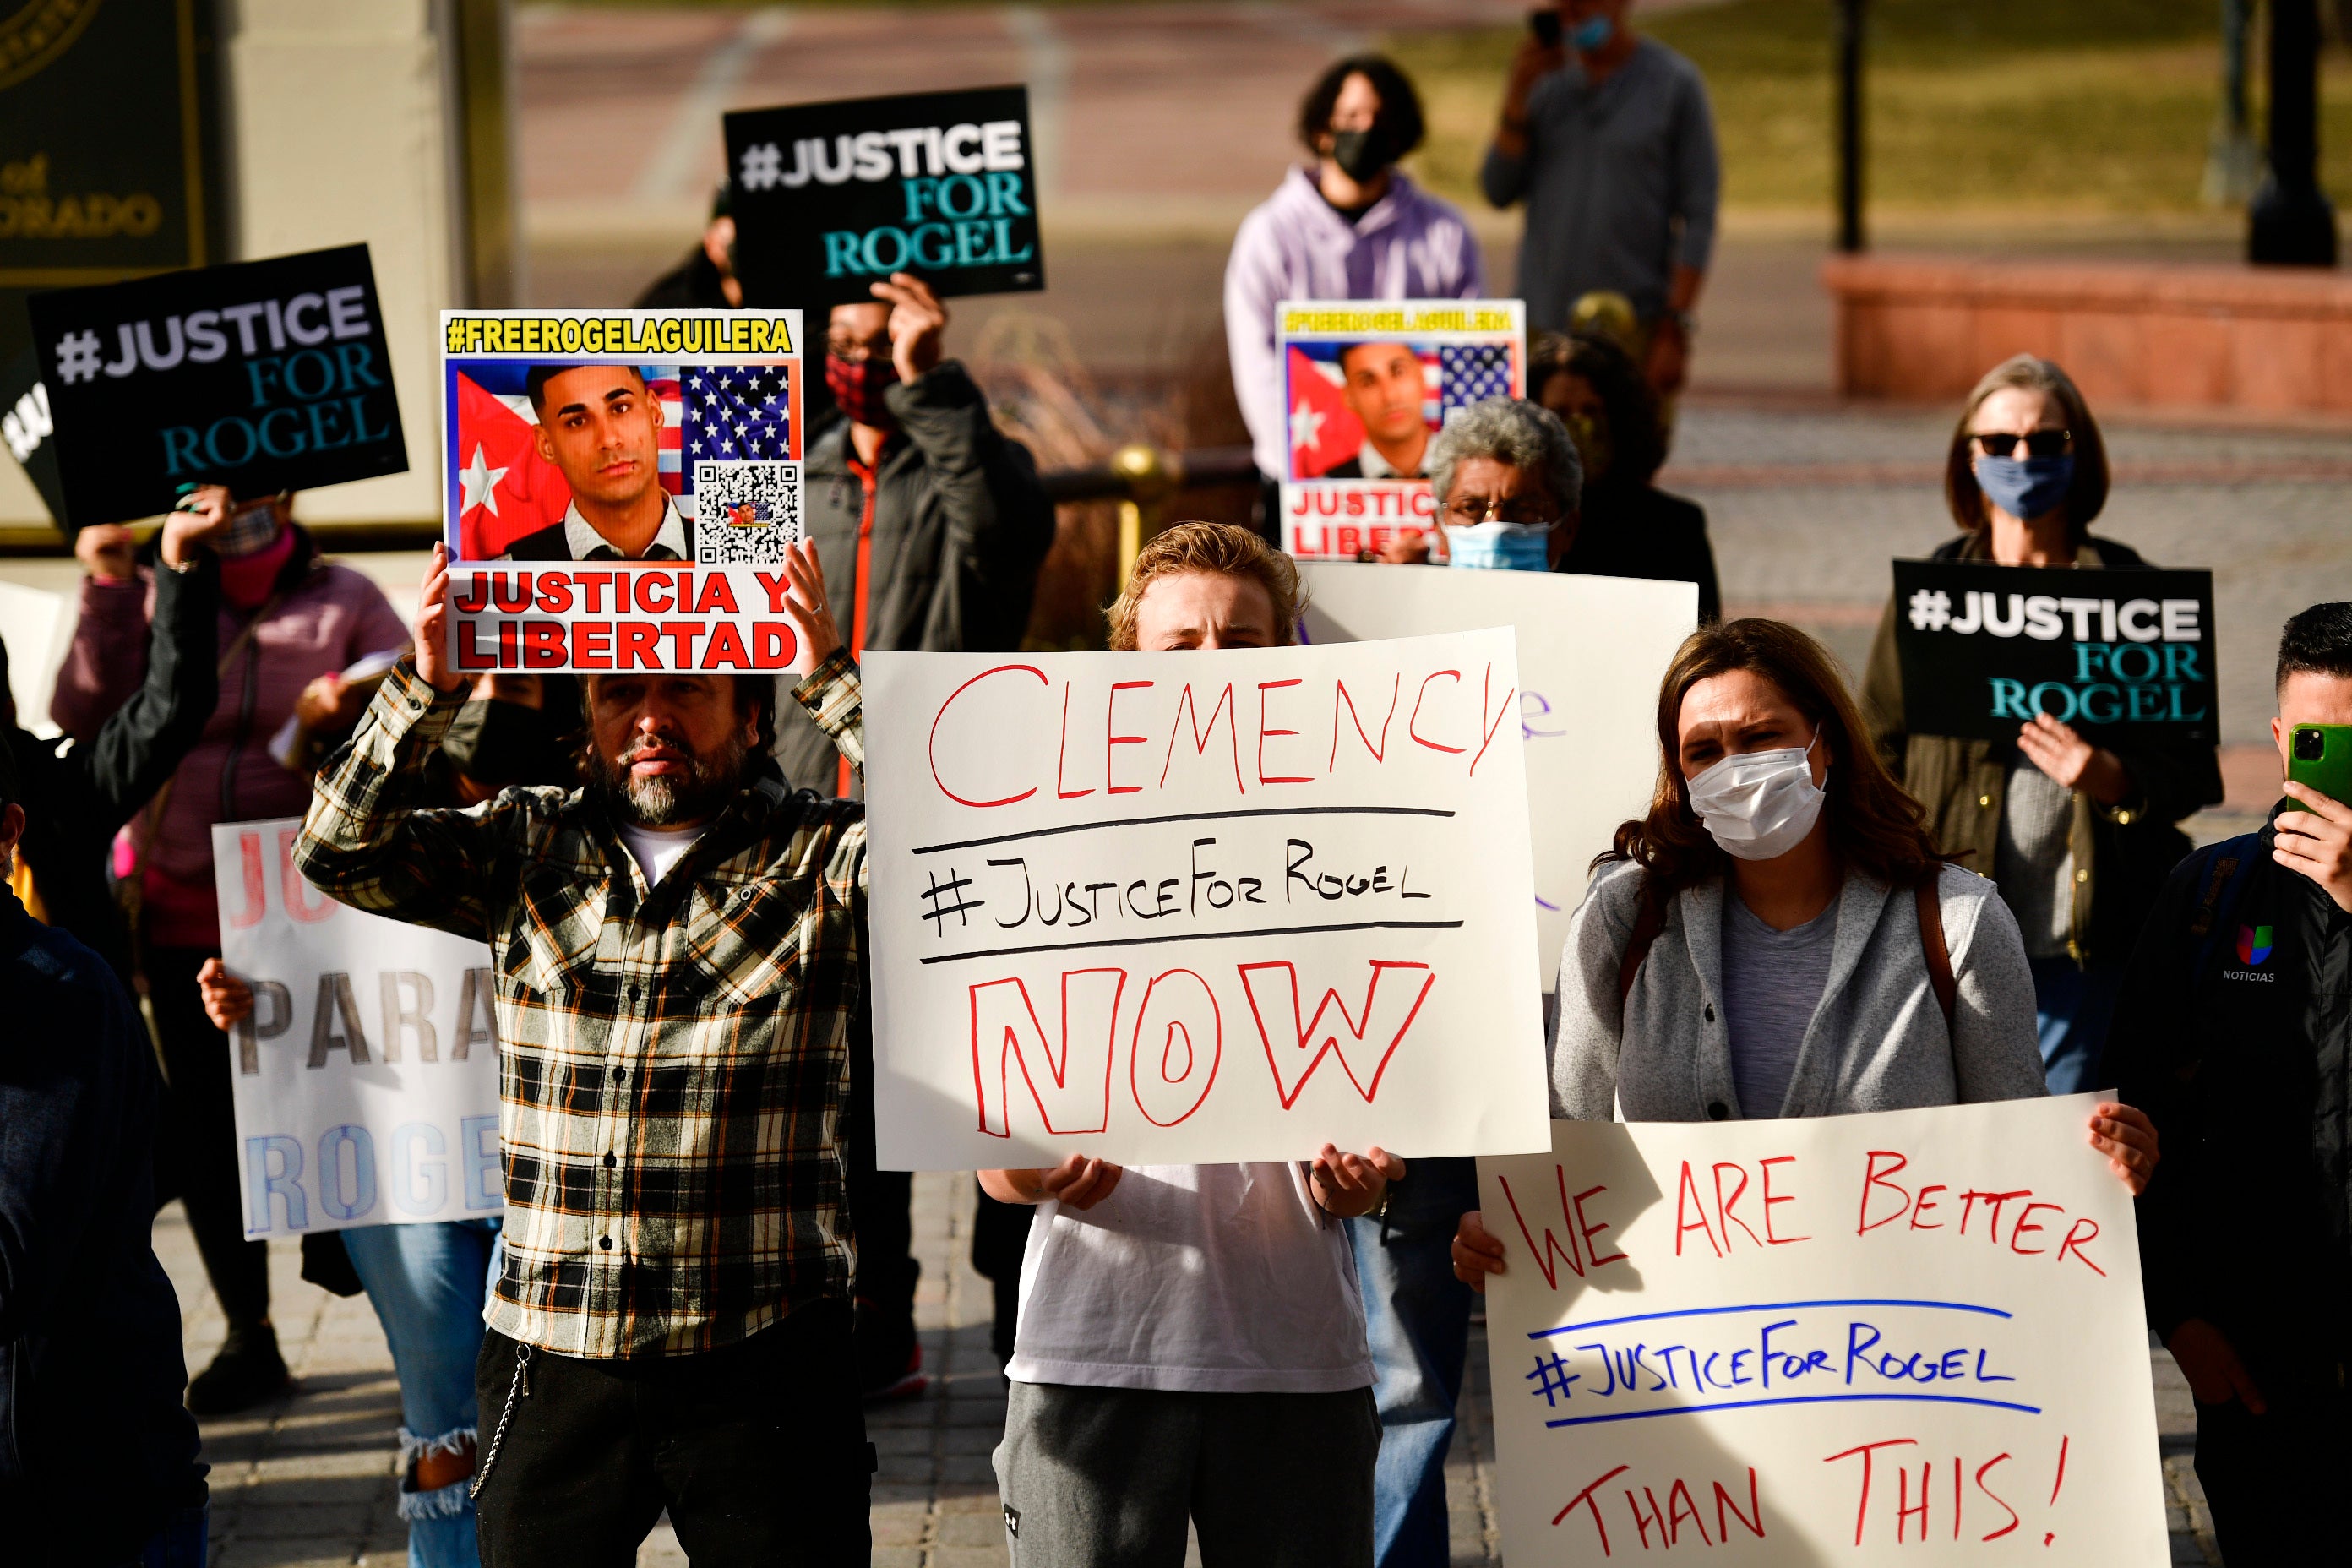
point(427, 1283)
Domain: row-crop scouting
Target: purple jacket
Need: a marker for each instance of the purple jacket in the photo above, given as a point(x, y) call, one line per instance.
point(329, 618)
point(1409, 246)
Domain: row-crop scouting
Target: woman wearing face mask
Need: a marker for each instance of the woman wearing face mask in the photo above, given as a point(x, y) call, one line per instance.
point(1778, 936)
point(426, 1281)
point(2080, 837)
point(1626, 526)
point(1350, 225)
point(289, 623)
point(1507, 484)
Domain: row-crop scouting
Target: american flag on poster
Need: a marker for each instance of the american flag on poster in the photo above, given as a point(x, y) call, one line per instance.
point(736, 412)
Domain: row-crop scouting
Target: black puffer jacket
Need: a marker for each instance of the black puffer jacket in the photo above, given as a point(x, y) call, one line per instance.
point(2237, 1040)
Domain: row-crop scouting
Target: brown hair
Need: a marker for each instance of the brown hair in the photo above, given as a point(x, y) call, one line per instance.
point(2084, 497)
point(1873, 826)
point(1219, 548)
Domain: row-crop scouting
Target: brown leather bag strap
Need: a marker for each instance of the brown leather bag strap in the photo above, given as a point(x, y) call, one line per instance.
point(1649, 920)
point(1938, 953)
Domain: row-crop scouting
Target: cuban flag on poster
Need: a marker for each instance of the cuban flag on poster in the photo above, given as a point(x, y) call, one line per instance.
point(504, 489)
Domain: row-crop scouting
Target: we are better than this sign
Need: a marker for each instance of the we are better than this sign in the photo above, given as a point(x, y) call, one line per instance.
point(1198, 907)
point(1910, 1336)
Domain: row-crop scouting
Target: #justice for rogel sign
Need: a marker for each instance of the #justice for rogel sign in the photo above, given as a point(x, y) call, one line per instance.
point(830, 197)
point(1984, 648)
point(264, 376)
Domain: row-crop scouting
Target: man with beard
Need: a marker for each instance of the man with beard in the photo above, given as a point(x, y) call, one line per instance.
point(678, 957)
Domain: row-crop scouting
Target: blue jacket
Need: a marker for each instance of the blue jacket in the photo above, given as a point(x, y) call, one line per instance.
point(94, 1443)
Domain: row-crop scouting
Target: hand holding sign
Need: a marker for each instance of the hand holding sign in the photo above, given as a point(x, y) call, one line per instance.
point(807, 604)
point(2073, 763)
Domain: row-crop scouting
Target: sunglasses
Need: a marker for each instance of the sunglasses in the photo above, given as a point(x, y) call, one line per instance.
point(2040, 444)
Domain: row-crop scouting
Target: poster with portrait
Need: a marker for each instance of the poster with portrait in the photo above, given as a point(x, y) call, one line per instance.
point(620, 487)
point(1367, 384)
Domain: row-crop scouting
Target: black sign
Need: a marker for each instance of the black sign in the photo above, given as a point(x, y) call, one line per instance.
point(25, 428)
point(1985, 647)
point(265, 376)
point(829, 198)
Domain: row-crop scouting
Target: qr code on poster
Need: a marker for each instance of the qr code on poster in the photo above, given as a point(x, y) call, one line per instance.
point(745, 512)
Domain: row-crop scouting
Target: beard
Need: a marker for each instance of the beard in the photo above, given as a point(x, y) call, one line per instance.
point(711, 781)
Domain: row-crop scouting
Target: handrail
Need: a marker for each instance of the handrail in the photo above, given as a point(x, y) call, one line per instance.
point(1143, 478)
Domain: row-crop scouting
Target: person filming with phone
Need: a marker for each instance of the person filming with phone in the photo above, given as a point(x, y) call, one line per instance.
point(2235, 1034)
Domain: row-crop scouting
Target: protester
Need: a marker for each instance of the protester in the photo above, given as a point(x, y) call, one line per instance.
point(1191, 1341)
point(77, 796)
point(1351, 225)
point(290, 623)
point(1626, 526)
point(1778, 938)
point(1608, 138)
point(705, 279)
point(678, 953)
point(426, 1281)
point(98, 1460)
point(2232, 1030)
point(2079, 837)
point(935, 525)
point(1505, 483)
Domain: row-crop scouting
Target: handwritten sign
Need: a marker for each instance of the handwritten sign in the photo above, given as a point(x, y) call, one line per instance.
point(366, 1079)
point(1985, 647)
point(1366, 387)
point(1592, 653)
point(1828, 1340)
point(1202, 908)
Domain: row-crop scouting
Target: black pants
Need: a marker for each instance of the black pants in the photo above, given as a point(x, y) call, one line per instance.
point(881, 1216)
point(2269, 1478)
point(196, 1136)
point(758, 1450)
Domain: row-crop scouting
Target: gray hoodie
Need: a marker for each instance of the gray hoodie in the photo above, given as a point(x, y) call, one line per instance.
point(1877, 1041)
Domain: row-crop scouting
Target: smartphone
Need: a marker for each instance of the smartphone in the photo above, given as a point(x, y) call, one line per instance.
point(1544, 26)
point(2320, 757)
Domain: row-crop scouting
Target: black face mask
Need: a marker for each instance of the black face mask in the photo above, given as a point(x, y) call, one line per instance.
point(1362, 155)
point(497, 743)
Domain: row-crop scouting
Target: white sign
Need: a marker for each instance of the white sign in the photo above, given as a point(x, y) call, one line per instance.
point(1198, 907)
point(366, 1077)
point(1592, 653)
point(1833, 1340)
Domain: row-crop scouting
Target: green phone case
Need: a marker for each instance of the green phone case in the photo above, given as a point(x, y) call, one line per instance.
point(2330, 772)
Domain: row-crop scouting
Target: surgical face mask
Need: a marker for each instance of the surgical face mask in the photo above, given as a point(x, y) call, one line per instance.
point(1362, 155)
point(1590, 33)
point(1500, 546)
point(1758, 805)
point(2026, 487)
point(495, 744)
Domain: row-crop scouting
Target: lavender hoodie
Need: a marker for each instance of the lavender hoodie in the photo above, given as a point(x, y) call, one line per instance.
point(1409, 246)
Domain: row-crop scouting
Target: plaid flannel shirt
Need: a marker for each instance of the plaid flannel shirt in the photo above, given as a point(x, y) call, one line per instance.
point(673, 1060)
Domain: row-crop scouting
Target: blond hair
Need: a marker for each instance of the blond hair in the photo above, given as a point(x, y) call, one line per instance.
point(1220, 549)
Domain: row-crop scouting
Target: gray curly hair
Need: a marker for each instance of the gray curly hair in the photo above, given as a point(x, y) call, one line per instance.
point(1510, 430)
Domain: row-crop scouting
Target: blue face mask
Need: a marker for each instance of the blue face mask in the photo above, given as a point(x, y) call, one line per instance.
point(1500, 546)
point(2026, 487)
point(1590, 33)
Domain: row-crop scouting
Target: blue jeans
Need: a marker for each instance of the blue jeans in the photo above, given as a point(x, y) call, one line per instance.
point(2071, 1008)
point(427, 1283)
point(1418, 1317)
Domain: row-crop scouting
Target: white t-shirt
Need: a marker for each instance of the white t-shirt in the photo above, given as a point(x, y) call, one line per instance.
point(1194, 1278)
point(656, 849)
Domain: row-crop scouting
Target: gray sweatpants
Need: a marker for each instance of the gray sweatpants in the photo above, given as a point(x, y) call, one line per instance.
point(1104, 1477)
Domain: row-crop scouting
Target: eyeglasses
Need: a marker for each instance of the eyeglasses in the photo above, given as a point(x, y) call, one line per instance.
point(2039, 444)
point(853, 350)
point(1469, 512)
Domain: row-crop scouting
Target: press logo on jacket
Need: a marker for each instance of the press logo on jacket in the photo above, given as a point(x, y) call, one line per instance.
point(2254, 945)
